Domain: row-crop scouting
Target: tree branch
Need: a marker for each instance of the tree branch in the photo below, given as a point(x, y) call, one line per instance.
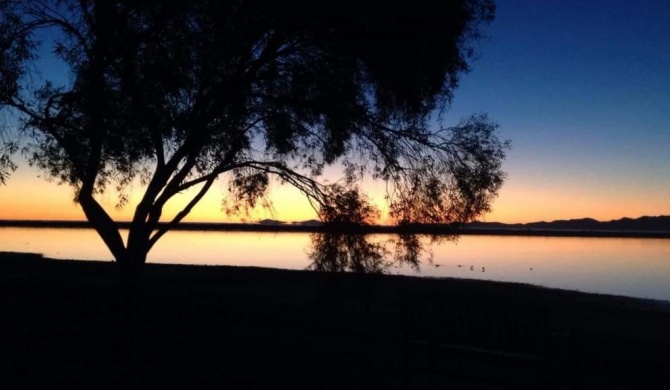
point(103, 224)
point(45, 20)
point(48, 129)
point(182, 214)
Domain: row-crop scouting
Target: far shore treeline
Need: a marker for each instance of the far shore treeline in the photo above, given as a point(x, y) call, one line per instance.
point(643, 227)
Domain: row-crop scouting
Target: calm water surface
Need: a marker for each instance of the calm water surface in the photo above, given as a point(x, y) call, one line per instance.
point(620, 266)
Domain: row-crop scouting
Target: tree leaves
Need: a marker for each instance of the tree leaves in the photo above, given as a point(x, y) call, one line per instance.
point(7, 166)
point(178, 94)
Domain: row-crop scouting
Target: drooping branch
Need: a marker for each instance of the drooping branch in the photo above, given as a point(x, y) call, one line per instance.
point(307, 185)
point(310, 187)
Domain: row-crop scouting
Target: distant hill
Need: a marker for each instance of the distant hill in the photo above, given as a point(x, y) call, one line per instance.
point(646, 224)
point(270, 222)
point(310, 222)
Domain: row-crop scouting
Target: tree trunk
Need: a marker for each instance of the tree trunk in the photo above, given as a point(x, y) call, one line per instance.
point(130, 258)
point(131, 266)
point(135, 255)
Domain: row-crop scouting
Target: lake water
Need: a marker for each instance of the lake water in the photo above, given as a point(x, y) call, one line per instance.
point(621, 266)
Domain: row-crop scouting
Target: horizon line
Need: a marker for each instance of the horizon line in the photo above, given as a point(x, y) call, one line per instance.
point(268, 220)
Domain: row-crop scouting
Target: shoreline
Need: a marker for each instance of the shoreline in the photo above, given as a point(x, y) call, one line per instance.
point(370, 229)
point(74, 322)
point(206, 273)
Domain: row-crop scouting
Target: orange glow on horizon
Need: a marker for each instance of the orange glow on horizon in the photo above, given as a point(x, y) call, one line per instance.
point(33, 198)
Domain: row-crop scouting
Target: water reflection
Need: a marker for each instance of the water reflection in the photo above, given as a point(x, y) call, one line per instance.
point(359, 253)
point(410, 248)
point(342, 252)
point(638, 267)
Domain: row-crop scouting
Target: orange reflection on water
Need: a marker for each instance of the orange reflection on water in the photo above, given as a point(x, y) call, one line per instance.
point(78, 244)
point(623, 266)
point(277, 250)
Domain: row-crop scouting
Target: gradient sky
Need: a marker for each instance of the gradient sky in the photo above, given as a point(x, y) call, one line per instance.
point(582, 88)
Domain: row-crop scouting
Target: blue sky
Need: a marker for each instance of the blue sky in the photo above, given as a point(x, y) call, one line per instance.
point(581, 88)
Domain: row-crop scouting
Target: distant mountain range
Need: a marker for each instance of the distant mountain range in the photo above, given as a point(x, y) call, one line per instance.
point(653, 227)
point(654, 224)
point(649, 224)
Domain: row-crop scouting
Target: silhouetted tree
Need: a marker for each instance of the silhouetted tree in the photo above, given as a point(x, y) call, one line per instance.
point(177, 94)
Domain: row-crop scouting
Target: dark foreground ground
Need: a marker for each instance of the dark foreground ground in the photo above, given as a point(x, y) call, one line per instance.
point(67, 324)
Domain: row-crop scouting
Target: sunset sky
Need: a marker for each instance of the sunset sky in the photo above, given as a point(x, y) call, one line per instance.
point(581, 88)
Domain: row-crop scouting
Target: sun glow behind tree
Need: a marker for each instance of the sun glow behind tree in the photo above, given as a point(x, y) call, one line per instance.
point(180, 95)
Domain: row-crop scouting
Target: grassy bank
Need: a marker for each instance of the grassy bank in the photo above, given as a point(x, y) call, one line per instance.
point(73, 323)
